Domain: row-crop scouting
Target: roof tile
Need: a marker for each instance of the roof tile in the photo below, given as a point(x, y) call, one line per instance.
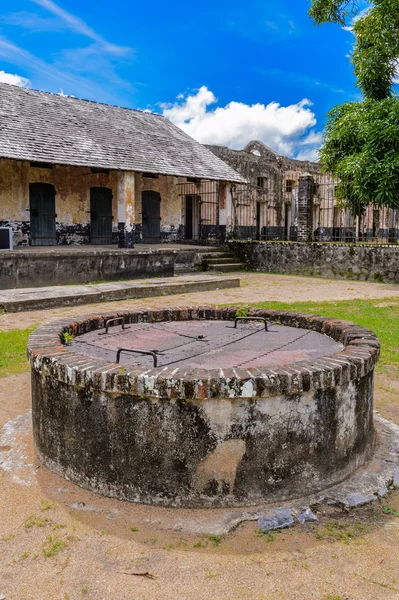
point(38, 126)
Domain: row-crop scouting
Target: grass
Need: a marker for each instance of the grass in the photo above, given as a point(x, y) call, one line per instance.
point(379, 315)
point(53, 546)
point(13, 351)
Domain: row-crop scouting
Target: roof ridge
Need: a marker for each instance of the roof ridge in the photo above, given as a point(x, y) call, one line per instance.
point(65, 96)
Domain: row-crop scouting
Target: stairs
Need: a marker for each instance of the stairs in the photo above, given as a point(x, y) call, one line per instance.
point(224, 262)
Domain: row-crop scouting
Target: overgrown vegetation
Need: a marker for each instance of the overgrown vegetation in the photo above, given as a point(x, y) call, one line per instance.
point(13, 351)
point(362, 138)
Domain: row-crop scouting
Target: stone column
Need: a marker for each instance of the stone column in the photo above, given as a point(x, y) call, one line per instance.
point(222, 211)
point(126, 209)
point(229, 210)
point(305, 209)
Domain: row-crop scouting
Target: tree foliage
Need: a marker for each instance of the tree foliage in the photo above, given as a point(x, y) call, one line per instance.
point(361, 148)
point(361, 140)
point(376, 49)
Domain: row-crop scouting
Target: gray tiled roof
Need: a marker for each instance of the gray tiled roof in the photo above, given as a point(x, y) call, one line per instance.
point(38, 126)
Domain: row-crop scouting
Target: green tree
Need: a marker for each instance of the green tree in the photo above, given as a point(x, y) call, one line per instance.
point(361, 140)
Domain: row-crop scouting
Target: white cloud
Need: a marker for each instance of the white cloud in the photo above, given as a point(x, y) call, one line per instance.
point(314, 138)
point(281, 127)
point(79, 26)
point(311, 154)
point(14, 79)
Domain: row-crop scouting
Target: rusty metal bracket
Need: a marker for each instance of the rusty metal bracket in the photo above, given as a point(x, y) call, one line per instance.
point(250, 319)
point(134, 351)
point(115, 320)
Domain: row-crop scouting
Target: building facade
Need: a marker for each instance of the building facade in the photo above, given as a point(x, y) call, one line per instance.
point(267, 206)
point(78, 172)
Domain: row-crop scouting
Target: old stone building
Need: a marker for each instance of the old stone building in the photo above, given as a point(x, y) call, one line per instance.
point(77, 172)
point(266, 207)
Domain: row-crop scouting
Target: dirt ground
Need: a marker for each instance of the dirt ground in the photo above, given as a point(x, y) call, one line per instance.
point(59, 542)
point(255, 287)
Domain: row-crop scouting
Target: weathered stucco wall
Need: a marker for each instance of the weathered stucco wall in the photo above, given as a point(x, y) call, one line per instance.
point(343, 261)
point(72, 185)
point(199, 437)
point(171, 203)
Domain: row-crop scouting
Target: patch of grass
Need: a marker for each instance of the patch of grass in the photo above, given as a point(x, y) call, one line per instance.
point(211, 575)
point(379, 315)
point(168, 547)
point(389, 510)
point(13, 351)
point(268, 535)
point(53, 546)
point(215, 539)
point(46, 505)
point(35, 521)
point(134, 529)
point(340, 531)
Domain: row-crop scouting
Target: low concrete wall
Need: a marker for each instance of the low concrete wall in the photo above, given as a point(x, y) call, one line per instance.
point(342, 261)
point(22, 269)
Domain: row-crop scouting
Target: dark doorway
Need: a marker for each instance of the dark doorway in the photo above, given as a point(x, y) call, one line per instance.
point(287, 222)
point(100, 215)
point(42, 214)
point(258, 220)
point(376, 223)
point(193, 217)
point(151, 215)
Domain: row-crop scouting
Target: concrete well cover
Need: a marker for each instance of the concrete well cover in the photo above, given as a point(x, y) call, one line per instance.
point(207, 344)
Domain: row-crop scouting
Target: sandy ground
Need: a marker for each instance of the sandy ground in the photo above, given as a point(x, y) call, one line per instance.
point(255, 287)
point(58, 542)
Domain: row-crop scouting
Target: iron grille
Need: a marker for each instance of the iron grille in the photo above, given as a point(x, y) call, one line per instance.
point(201, 203)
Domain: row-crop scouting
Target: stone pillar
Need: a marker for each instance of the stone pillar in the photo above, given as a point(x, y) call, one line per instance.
point(229, 211)
point(126, 209)
point(305, 209)
point(222, 211)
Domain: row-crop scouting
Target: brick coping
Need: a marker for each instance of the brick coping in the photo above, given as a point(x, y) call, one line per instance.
point(48, 355)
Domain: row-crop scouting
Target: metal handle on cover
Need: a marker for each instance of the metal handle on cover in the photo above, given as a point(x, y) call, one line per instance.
point(250, 319)
point(115, 320)
point(132, 350)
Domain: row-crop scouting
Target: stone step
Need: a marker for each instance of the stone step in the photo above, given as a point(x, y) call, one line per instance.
point(227, 268)
point(220, 260)
point(216, 255)
point(73, 295)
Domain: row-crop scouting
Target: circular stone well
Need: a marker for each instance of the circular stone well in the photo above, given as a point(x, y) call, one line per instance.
point(207, 410)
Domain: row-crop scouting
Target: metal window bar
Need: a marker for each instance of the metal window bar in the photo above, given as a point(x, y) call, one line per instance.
point(252, 206)
point(200, 206)
point(336, 223)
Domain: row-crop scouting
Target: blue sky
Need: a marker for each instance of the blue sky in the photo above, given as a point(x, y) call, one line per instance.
point(225, 71)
